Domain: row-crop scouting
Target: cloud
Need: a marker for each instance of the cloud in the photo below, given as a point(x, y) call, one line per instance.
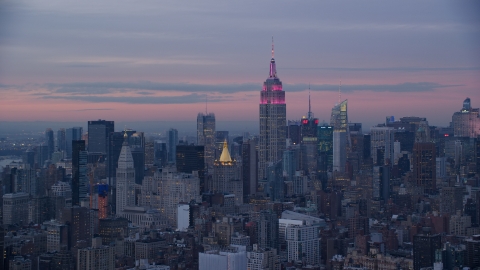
point(148, 92)
point(185, 99)
point(149, 88)
point(406, 69)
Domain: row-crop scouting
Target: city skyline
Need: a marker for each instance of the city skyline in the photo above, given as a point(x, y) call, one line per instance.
point(65, 61)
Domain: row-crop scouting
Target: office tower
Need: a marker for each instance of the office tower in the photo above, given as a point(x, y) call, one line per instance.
point(325, 153)
point(309, 123)
point(149, 154)
point(290, 163)
point(172, 145)
point(161, 154)
point(103, 207)
point(111, 229)
point(50, 142)
point(381, 145)
point(249, 168)
point(466, 122)
point(309, 155)
point(98, 132)
point(472, 254)
point(260, 258)
point(267, 229)
point(226, 176)
point(275, 181)
point(79, 172)
point(424, 166)
point(339, 121)
point(98, 257)
point(273, 114)
point(172, 188)
point(61, 140)
point(232, 258)
point(136, 141)
point(15, 208)
point(42, 154)
point(71, 134)
point(191, 158)
point(28, 158)
point(206, 136)
point(294, 132)
point(115, 142)
point(220, 137)
point(125, 192)
point(303, 244)
point(424, 247)
point(381, 182)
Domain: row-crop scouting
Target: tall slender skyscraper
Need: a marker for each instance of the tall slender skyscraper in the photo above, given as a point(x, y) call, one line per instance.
point(50, 142)
point(79, 171)
point(273, 115)
point(125, 192)
point(98, 132)
point(172, 145)
point(206, 136)
point(61, 140)
point(339, 121)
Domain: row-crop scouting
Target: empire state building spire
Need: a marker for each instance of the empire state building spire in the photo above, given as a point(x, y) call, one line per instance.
point(272, 120)
point(273, 67)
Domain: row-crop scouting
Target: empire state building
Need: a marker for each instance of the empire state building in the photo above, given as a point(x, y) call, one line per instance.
point(273, 114)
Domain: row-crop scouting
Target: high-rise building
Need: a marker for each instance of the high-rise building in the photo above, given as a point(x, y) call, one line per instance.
point(273, 121)
point(424, 165)
point(232, 258)
point(466, 122)
point(424, 247)
point(275, 181)
point(303, 243)
point(98, 133)
point(249, 168)
point(472, 254)
point(125, 192)
point(226, 176)
point(50, 142)
point(206, 136)
point(267, 230)
point(79, 172)
point(381, 145)
point(339, 121)
point(71, 134)
point(97, 257)
point(259, 259)
point(220, 137)
point(61, 140)
point(172, 145)
point(381, 182)
point(190, 158)
point(15, 208)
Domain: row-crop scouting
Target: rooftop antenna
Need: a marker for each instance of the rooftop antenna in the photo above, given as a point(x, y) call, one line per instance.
point(309, 105)
point(273, 51)
point(206, 104)
point(340, 92)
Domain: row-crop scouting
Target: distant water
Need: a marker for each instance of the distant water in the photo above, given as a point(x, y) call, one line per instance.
point(7, 160)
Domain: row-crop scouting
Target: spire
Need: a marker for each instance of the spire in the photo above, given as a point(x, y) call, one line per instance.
point(225, 156)
point(309, 116)
point(273, 67)
point(340, 92)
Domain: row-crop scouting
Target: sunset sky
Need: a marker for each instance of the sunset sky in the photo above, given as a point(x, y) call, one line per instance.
point(156, 60)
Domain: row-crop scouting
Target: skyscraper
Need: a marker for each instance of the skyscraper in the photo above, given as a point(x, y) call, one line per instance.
point(466, 122)
point(61, 140)
point(339, 121)
point(273, 115)
point(98, 132)
point(226, 176)
point(206, 136)
point(125, 192)
point(79, 172)
point(191, 158)
point(249, 168)
point(424, 165)
point(172, 145)
point(50, 142)
point(71, 134)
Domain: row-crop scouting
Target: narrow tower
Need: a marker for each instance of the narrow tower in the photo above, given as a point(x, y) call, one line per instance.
point(125, 178)
point(273, 114)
